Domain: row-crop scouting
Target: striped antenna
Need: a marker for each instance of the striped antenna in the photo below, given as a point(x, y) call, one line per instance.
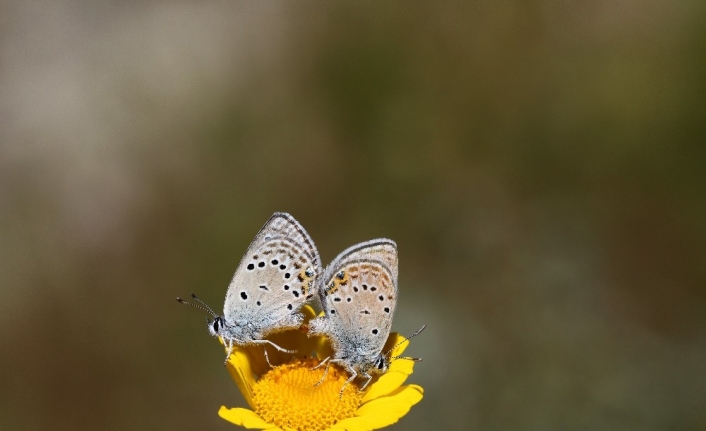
point(203, 305)
point(419, 331)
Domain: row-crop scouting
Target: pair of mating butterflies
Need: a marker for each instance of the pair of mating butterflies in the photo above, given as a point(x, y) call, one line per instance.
point(281, 271)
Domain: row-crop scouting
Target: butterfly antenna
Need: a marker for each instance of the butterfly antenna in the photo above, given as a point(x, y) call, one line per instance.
point(203, 305)
point(409, 358)
point(419, 331)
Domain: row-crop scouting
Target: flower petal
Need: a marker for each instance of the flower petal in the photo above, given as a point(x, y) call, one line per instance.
point(397, 404)
point(390, 381)
point(240, 370)
point(383, 411)
point(245, 418)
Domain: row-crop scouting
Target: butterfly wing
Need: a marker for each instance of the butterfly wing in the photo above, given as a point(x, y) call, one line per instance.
point(359, 292)
point(275, 276)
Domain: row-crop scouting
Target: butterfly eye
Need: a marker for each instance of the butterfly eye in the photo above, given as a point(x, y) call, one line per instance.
point(381, 363)
point(215, 325)
point(341, 275)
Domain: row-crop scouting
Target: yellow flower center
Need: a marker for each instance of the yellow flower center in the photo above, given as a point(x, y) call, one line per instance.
point(286, 396)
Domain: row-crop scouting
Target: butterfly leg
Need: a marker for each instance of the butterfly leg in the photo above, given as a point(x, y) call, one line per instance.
point(354, 374)
point(281, 349)
point(321, 364)
point(367, 381)
point(229, 345)
point(267, 357)
point(351, 370)
point(325, 371)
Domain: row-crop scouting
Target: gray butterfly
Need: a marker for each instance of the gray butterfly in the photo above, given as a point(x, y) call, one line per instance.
point(274, 279)
point(358, 292)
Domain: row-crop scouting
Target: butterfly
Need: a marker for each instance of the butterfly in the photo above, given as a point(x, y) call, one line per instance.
point(358, 292)
point(274, 279)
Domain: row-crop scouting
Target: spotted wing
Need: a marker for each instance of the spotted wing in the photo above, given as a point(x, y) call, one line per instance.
point(359, 292)
point(275, 276)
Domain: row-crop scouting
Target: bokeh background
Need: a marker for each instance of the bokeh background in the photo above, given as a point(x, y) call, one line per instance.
point(541, 164)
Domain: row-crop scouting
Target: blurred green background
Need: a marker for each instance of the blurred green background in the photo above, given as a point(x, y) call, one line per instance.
point(541, 164)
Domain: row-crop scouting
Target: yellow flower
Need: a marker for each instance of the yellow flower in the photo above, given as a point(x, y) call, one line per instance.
point(284, 397)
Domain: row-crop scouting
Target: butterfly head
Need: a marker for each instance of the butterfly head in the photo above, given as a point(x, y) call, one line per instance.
point(215, 326)
point(381, 364)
